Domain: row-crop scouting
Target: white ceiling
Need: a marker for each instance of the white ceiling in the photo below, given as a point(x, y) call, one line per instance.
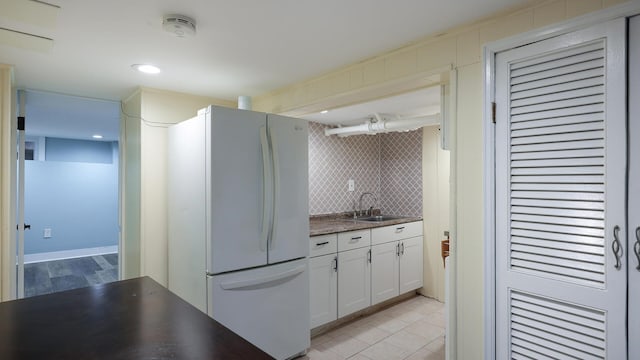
point(242, 47)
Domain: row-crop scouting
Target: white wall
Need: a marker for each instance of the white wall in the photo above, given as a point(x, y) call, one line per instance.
point(435, 196)
point(7, 180)
point(157, 110)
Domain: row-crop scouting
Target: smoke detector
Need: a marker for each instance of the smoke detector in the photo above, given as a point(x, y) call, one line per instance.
point(179, 25)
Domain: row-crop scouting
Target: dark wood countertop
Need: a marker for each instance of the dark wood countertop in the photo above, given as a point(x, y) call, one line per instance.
point(330, 224)
point(130, 319)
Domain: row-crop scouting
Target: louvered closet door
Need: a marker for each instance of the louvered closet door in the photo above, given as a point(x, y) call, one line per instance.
point(560, 197)
point(634, 188)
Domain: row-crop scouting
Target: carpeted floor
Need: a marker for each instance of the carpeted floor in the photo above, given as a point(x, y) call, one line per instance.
point(59, 275)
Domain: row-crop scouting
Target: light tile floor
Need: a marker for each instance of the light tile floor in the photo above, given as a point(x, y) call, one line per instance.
point(412, 330)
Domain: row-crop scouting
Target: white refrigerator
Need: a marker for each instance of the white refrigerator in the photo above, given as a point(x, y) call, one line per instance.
point(239, 224)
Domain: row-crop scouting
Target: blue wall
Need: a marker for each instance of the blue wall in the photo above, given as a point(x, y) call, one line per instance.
point(57, 149)
point(77, 200)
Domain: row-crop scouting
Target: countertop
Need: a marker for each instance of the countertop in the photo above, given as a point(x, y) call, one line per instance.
point(129, 319)
point(335, 223)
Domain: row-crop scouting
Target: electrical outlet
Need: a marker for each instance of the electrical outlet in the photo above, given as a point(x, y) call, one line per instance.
point(351, 184)
point(47, 233)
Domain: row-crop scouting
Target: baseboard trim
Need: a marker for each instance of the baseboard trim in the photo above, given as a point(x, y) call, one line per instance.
point(69, 254)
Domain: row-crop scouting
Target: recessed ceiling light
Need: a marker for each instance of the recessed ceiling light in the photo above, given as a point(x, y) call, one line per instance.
point(97, 136)
point(324, 111)
point(146, 68)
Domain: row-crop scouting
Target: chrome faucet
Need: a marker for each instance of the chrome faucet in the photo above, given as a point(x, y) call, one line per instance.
point(375, 200)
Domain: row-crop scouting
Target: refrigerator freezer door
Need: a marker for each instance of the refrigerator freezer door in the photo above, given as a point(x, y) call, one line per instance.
point(289, 142)
point(268, 306)
point(235, 189)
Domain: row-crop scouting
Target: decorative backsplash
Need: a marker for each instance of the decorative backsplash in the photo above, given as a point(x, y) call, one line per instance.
point(401, 173)
point(387, 165)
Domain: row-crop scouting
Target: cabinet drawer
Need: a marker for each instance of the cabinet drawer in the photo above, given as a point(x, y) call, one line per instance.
point(389, 233)
point(354, 239)
point(323, 245)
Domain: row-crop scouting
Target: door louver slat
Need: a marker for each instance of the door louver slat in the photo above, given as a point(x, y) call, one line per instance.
point(559, 88)
point(563, 124)
point(559, 238)
point(548, 327)
point(565, 249)
point(568, 53)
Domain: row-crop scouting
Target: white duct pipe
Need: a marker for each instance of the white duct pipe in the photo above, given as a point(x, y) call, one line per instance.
point(244, 102)
point(382, 126)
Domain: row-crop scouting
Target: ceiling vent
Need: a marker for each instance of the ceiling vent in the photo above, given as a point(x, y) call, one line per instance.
point(179, 25)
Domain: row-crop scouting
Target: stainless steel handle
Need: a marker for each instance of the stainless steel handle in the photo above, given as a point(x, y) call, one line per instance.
point(636, 247)
point(356, 238)
point(322, 243)
point(399, 229)
point(262, 281)
point(266, 190)
point(369, 255)
point(335, 264)
point(615, 247)
point(276, 186)
point(402, 251)
point(398, 249)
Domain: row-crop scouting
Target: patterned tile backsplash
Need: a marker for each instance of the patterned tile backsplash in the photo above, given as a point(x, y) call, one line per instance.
point(388, 165)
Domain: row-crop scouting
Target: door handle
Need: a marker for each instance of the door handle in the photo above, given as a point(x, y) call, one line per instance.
point(369, 256)
point(402, 251)
point(261, 281)
point(636, 247)
point(24, 226)
point(335, 264)
point(616, 248)
point(398, 249)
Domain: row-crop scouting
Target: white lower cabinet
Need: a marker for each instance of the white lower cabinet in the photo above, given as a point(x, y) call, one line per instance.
point(347, 273)
point(396, 268)
point(411, 262)
point(385, 279)
point(354, 280)
point(323, 282)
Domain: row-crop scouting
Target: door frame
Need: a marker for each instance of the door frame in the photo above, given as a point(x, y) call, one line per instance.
point(8, 191)
point(489, 54)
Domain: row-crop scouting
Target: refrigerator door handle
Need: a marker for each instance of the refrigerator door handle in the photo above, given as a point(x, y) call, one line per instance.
point(266, 190)
point(264, 280)
point(276, 186)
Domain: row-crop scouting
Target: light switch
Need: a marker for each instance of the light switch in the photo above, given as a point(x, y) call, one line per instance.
point(351, 184)
point(47, 233)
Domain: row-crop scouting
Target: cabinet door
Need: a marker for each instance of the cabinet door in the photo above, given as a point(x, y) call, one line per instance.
point(561, 278)
point(354, 281)
point(384, 272)
point(323, 284)
point(411, 264)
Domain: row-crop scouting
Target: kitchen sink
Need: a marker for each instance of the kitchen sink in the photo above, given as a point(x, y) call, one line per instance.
point(379, 218)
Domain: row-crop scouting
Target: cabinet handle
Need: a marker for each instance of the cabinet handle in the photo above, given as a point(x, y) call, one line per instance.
point(402, 251)
point(615, 247)
point(322, 243)
point(636, 247)
point(335, 264)
point(369, 256)
point(356, 238)
point(399, 229)
point(398, 249)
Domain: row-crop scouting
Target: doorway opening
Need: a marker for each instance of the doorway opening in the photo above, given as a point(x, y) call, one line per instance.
point(70, 189)
point(405, 167)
